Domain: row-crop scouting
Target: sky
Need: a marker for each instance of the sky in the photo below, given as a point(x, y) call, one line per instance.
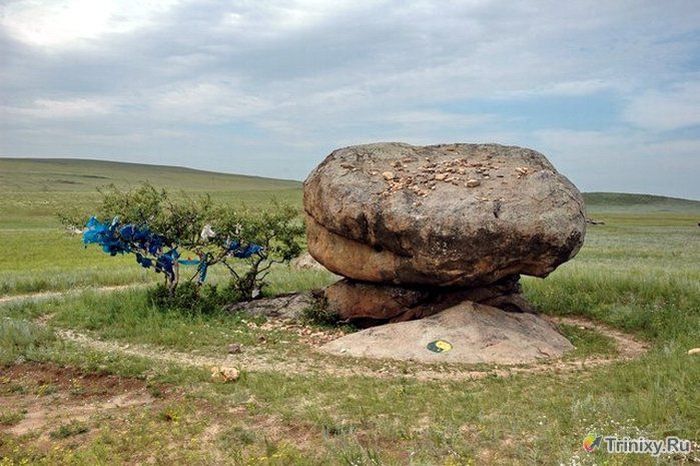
point(609, 91)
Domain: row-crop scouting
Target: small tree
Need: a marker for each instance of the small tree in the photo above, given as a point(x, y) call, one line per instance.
point(157, 227)
point(272, 237)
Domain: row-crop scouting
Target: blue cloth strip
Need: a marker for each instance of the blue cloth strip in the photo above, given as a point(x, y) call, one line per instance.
point(140, 240)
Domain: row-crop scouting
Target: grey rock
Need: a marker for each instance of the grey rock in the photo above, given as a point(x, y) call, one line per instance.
point(476, 334)
point(305, 262)
point(402, 214)
point(290, 306)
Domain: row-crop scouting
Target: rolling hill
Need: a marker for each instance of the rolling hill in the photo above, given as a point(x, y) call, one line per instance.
point(638, 202)
point(22, 175)
point(32, 191)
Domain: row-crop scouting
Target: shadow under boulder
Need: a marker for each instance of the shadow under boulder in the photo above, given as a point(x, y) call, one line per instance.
point(366, 304)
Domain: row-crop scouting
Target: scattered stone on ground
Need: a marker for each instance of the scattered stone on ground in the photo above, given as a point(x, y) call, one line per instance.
point(694, 351)
point(464, 333)
point(224, 374)
point(234, 348)
point(305, 334)
point(472, 183)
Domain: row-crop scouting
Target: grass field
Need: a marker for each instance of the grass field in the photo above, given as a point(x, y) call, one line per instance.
point(102, 378)
point(43, 257)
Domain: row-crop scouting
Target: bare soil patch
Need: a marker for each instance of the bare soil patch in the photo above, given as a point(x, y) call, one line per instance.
point(49, 395)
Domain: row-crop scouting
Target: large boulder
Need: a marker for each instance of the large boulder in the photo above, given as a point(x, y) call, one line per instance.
point(464, 333)
point(457, 214)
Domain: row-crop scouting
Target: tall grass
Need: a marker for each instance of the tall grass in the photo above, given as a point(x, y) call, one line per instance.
point(20, 338)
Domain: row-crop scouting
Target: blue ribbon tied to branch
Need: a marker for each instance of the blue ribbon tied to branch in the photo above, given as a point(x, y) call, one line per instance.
point(142, 242)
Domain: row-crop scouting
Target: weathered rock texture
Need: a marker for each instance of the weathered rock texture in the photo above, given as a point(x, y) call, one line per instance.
point(476, 333)
point(446, 215)
point(370, 303)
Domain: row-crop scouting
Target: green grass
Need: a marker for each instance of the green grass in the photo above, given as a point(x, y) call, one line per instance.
point(637, 273)
point(587, 342)
point(10, 418)
point(74, 175)
point(40, 256)
point(18, 338)
point(127, 316)
point(637, 276)
point(646, 203)
point(69, 430)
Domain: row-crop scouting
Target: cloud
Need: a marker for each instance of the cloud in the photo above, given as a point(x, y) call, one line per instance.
point(666, 110)
point(269, 87)
point(206, 102)
point(65, 23)
point(62, 108)
point(563, 88)
point(621, 160)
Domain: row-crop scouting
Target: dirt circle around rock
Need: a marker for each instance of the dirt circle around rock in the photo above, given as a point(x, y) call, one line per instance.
point(627, 347)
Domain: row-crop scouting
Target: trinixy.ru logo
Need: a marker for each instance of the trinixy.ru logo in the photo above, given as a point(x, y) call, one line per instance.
point(644, 446)
point(591, 442)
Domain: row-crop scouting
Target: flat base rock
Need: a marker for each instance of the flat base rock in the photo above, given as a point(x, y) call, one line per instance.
point(465, 333)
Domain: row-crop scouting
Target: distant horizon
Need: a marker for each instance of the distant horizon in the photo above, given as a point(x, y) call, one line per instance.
point(185, 167)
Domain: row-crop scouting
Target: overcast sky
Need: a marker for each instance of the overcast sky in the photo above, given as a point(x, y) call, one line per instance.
point(608, 90)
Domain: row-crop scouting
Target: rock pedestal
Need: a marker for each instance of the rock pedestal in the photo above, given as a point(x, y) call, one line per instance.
point(369, 303)
point(427, 232)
